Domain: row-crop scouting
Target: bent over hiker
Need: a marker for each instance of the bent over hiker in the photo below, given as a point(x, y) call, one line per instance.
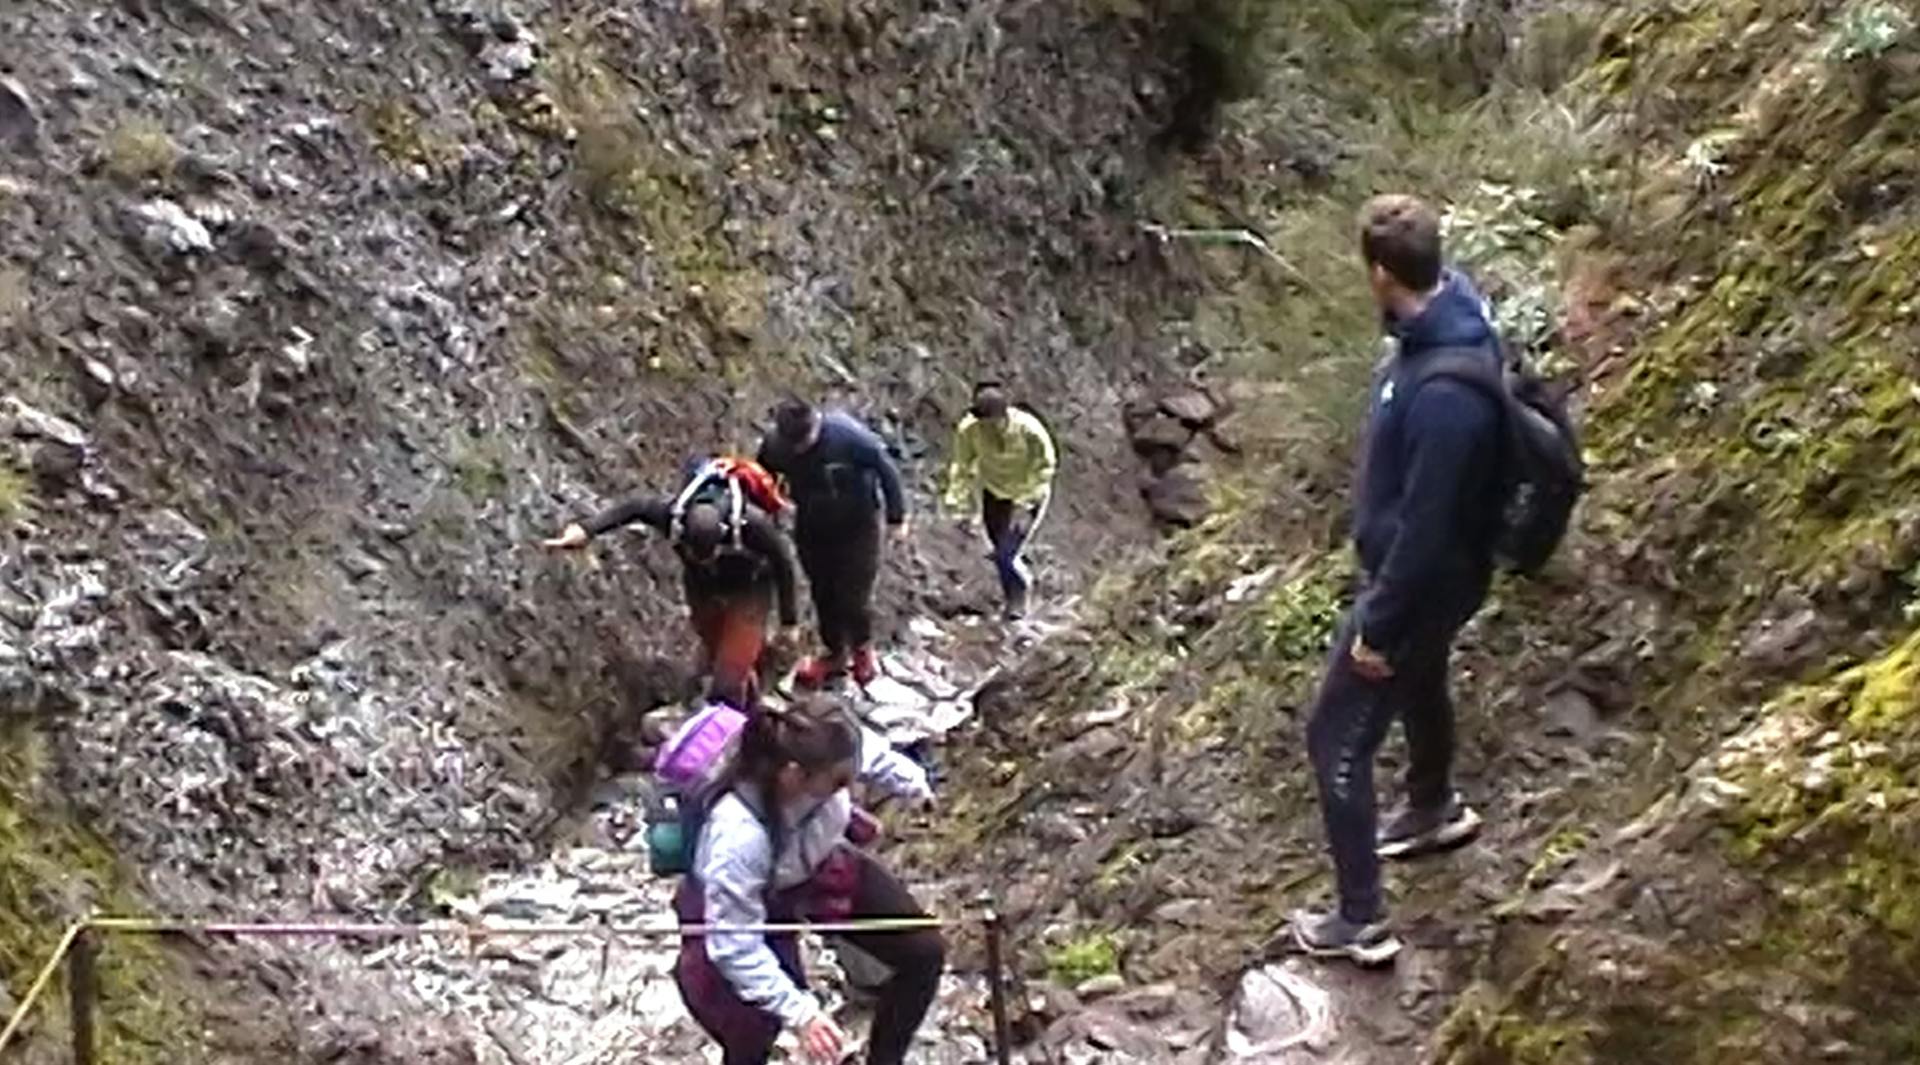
point(776, 845)
point(1426, 504)
point(842, 483)
point(736, 567)
point(1009, 455)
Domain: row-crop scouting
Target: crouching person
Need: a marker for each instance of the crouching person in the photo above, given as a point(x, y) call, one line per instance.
point(778, 844)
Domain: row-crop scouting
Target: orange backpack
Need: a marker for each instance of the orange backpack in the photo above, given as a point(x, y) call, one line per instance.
point(730, 482)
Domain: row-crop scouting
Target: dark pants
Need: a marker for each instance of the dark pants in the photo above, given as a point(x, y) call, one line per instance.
point(746, 1034)
point(841, 560)
point(1349, 722)
point(732, 627)
point(1009, 526)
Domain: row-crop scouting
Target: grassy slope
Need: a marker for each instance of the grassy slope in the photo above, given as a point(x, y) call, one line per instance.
point(50, 871)
point(1714, 206)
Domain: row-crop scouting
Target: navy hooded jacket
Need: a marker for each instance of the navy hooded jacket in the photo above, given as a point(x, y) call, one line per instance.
point(842, 480)
point(1426, 497)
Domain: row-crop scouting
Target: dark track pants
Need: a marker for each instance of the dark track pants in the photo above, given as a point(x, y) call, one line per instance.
point(1009, 526)
point(1349, 722)
point(842, 561)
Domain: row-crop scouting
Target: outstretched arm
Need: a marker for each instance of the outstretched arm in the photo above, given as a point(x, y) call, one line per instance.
point(648, 510)
point(652, 511)
point(891, 771)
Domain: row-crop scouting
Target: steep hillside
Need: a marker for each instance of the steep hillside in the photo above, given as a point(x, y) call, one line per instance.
point(1694, 737)
point(313, 317)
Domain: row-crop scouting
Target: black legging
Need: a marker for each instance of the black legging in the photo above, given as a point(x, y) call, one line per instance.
point(917, 958)
point(841, 561)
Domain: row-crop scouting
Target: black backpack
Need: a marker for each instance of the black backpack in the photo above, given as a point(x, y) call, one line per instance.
point(1542, 474)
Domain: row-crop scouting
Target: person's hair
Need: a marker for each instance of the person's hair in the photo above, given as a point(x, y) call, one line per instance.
point(989, 399)
point(702, 527)
point(1401, 234)
point(815, 732)
point(793, 419)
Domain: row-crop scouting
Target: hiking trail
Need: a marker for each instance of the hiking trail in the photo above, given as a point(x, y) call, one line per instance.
point(544, 1002)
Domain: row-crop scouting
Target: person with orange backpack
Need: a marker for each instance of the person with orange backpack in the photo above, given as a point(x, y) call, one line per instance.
point(737, 565)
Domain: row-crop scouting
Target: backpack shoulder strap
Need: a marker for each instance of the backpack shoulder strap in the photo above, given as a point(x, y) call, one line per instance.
point(1471, 367)
point(1466, 365)
point(708, 471)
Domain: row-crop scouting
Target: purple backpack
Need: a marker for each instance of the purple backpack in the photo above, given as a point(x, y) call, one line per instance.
point(692, 759)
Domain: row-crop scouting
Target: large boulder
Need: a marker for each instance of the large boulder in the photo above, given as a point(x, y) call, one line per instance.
point(1178, 497)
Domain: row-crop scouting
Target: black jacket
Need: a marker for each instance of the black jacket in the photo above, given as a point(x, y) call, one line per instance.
point(764, 554)
point(1426, 493)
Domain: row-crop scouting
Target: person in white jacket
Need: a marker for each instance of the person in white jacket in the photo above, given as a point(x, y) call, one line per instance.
point(779, 843)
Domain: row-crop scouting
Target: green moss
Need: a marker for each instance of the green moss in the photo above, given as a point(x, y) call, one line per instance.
point(1478, 1033)
point(16, 494)
point(479, 465)
point(139, 148)
point(52, 873)
point(404, 137)
point(1083, 958)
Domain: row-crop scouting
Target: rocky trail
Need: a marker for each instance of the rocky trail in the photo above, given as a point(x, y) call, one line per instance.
point(589, 1000)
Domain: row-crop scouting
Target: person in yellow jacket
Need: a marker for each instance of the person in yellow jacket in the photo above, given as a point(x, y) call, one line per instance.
point(1006, 454)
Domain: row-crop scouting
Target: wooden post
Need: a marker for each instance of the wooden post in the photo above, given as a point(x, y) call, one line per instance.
point(997, 984)
point(82, 990)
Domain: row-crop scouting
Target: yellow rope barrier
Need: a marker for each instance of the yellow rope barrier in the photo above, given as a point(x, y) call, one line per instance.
point(658, 929)
point(40, 983)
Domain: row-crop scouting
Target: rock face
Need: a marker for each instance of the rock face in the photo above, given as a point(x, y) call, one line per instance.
point(1165, 432)
point(19, 118)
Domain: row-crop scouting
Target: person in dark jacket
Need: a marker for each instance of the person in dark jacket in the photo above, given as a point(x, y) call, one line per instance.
point(1426, 500)
point(733, 578)
point(842, 484)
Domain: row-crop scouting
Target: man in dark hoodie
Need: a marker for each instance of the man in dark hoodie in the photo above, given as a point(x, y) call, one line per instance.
point(842, 483)
point(1426, 500)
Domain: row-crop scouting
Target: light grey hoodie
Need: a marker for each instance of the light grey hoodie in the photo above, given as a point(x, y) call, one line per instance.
point(738, 870)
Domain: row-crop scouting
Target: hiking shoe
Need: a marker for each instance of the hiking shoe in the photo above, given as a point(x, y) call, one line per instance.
point(1329, 935)
point(816, 671)
point(866, 666)
point(1409, 832)
point(1016, 608)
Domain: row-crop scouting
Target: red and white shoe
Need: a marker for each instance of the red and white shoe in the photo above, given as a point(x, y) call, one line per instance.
point(865, 666)
point(816, 671)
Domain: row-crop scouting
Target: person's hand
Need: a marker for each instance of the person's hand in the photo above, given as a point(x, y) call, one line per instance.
point(902, 532)
point(822, 1040)
point(572, 538)
point(1368, 662)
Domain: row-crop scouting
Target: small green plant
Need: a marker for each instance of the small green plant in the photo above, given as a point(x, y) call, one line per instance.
point(14, 297)
point(1868, 31)
point(404, 138)
point(1079, 960)
point(1498, 234)
point(479, 466)
point(139, 148)
point(15, 494)
point(1298, 621)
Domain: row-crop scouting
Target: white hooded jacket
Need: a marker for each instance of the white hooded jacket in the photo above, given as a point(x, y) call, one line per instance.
point(737, 870)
